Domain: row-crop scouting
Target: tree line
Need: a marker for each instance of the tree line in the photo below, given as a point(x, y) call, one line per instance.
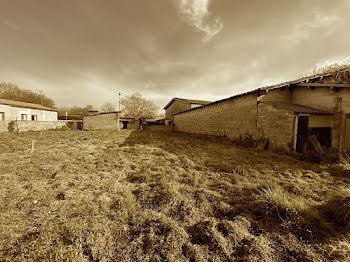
point(135, 105)
point(11, 91)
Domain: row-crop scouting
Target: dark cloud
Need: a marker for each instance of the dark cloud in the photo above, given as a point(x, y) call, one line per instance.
point(84, 51)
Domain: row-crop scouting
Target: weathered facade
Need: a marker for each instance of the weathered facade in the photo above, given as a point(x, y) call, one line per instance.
point(287, 114)
point(177, 105)
point(14, 110)
point(21, 116)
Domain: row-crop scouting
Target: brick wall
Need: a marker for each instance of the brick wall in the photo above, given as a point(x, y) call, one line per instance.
point(23, 126)
point(230, 118)
point(277, 125)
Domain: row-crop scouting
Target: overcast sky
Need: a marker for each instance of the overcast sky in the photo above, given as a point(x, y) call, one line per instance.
point(85, 51)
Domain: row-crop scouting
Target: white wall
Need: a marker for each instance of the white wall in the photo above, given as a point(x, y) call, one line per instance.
point(14, 113)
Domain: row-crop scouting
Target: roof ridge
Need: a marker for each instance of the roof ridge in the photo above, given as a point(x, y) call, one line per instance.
point(17, 103)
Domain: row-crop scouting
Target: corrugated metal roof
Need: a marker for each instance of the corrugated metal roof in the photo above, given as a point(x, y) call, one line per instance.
point(189, 101)
point(25, 105)
point(299, 108)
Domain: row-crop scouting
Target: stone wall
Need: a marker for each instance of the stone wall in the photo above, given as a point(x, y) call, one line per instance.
point(23, 126)
point(4, 126)
point(232, 118)
point(278, 125)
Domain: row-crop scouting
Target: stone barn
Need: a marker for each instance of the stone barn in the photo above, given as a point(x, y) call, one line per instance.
point(181, 104)
point(286, 114)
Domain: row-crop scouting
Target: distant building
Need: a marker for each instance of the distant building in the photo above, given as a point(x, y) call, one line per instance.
point(14, 110)
point(109, 121)
point(177, 105)
point(162, 121)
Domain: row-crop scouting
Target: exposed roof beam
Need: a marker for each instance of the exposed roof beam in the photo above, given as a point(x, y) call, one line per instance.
point(322, 85)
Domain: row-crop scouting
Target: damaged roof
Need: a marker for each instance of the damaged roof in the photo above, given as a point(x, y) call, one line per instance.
point(299, 108)
point(189, 101)
point(308, 78)
point(25, 105)
point(336, 73)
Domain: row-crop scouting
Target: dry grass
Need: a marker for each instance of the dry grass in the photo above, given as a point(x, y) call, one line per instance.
point(154, 196)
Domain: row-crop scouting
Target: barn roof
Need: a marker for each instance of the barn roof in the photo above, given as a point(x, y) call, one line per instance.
point(188, 101)
point(281, 85)
point(299, 108)
point(307, 79)
point(25, 105)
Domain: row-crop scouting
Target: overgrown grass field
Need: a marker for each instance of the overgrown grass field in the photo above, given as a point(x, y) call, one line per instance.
point(157, 196)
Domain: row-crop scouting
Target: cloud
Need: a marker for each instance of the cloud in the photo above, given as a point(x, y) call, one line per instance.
point(196, 14)
point(12, 26)
point(302, 31)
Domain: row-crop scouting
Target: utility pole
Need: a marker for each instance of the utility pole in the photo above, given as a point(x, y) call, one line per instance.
point(119, 112)
point(119, 101)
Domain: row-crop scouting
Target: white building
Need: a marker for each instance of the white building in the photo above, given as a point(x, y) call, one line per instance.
point(13, 110)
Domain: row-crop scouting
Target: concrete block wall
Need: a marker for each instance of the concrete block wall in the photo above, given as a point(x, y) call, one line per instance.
point(283, 95)
point(230, 118)
point(175, 107)
point(101, 122)
point(278, 125)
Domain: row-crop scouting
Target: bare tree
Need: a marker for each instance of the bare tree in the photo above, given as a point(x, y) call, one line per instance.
point(136, 106)
point(74, 112)
point(108, 107)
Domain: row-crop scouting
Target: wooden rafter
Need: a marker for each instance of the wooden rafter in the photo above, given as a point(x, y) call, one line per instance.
point(322, 85)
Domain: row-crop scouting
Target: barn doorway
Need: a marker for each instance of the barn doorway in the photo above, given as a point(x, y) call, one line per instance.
point(303, 133)
point(347, 132)
point(323, 135)
point(125, 124)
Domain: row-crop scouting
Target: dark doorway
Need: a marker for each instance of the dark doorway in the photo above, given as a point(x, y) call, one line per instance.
point(125, 124)
point(303, 134)
point(323, 135)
